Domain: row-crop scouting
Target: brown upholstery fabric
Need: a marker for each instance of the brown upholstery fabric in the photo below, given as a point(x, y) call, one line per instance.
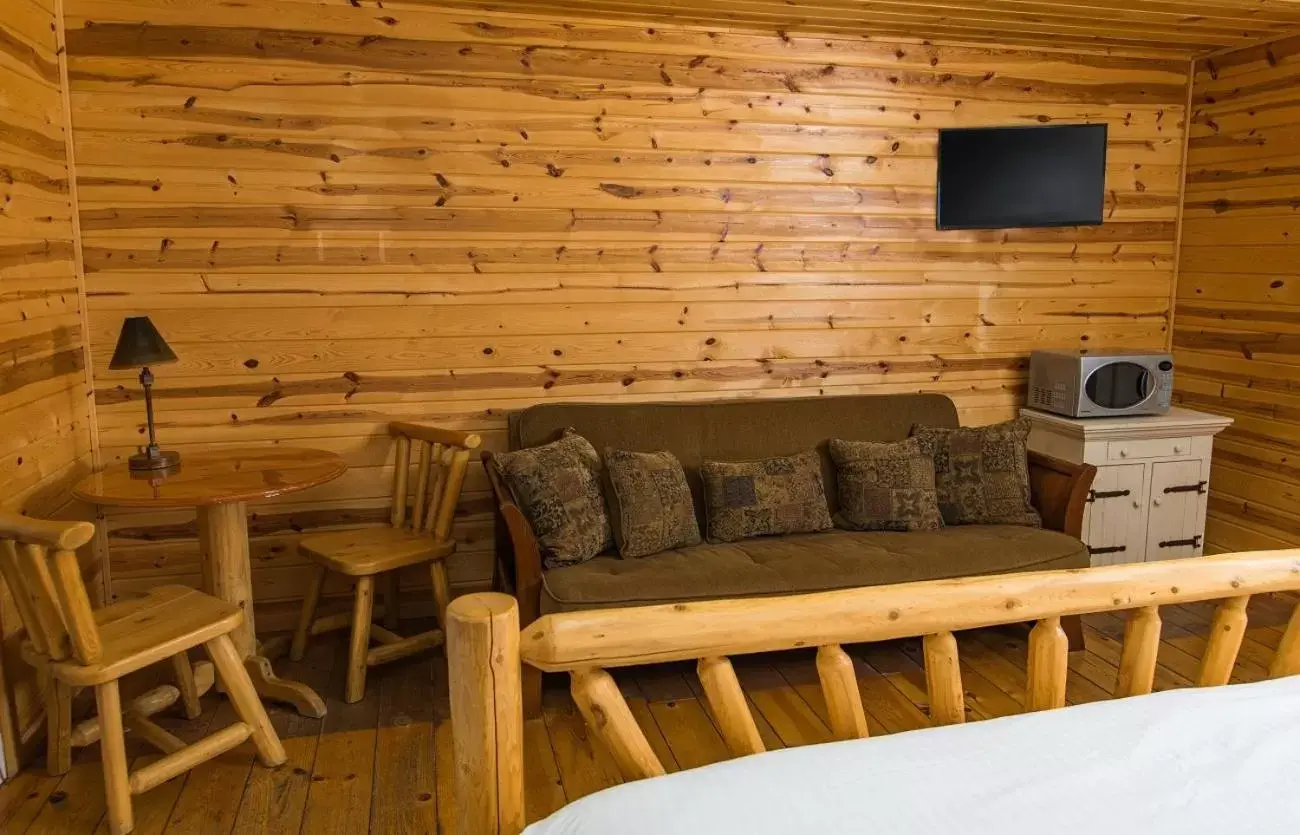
point(802, 563)
point(558, 488)
point(649, 502)
point(886, 486)
point(760, 498)
point(735, 430)
point(982, 473)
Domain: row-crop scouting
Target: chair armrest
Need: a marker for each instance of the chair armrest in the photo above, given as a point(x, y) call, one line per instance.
point(518, 548)
point(1059, 491)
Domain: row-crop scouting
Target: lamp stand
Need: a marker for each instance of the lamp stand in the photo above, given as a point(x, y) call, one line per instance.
point(151, 459)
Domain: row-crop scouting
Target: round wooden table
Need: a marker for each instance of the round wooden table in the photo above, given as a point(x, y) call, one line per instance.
point(220, 483)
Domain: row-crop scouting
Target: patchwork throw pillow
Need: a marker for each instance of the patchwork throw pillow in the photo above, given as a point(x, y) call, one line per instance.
point(557, 486)
point(885, 486)
point(650, 503)
point(773, 496)
point(982, 473)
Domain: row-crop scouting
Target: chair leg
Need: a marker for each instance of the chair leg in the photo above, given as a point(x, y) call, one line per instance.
point(188, 686)
point(58, 728)
point(362, 612)
point(112, 745)
point(392, 589)
point(308, 614)
point(245, 699)
point(441, 590)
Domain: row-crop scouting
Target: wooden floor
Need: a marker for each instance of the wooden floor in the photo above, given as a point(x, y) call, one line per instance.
point(383, 765)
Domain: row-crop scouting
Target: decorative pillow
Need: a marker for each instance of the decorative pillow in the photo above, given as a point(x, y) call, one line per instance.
point(557, 486)
point(773, 496)
point(885, 486)
point(982, 473)
point(650, 503)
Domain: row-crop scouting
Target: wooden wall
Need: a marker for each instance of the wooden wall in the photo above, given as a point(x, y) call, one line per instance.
point(1238, 313)
point(344, 213)
point(45, 425)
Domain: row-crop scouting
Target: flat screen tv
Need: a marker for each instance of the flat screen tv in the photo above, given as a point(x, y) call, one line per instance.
point(1017, 177)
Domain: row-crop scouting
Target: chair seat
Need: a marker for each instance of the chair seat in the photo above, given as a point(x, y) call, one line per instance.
point(365, 551)
point(143, 630)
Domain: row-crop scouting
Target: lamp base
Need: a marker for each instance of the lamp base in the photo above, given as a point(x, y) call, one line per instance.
point(153, 460)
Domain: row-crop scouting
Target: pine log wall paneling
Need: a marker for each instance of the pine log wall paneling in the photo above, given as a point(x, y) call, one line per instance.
point(45, 425)
point(341, 214)
point(1237, 337)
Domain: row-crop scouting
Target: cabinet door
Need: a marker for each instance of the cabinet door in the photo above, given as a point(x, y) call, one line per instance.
point(1115, 527)
point(1174, 526)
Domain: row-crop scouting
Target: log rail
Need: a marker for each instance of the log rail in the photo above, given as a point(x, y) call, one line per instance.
point(487, 650)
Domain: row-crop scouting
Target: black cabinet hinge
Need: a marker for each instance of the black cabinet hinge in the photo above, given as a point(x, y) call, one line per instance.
point(1197, 488)
point(1194, 542)
point(1110, 549)
point(1094, 495)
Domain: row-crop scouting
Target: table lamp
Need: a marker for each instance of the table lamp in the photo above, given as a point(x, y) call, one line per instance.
point(139, 345)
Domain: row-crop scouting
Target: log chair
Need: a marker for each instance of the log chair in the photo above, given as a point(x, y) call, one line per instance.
point(74, 646)
point(420, 532)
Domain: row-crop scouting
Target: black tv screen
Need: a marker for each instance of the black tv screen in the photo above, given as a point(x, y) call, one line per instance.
point(1003, 178)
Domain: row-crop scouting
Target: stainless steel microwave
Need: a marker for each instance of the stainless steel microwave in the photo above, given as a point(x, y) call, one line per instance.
point(1100, 384)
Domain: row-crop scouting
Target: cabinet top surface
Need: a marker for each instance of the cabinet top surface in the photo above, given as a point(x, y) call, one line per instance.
point(1179, 421)
point(215, 477)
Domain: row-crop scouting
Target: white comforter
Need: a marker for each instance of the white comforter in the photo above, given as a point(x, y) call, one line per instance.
point(1220, 760)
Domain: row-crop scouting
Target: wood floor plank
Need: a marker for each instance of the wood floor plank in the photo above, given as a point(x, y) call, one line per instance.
point(887, 708)
point(543, 789)
point(983, 698)
point(210, 800)
point(405, 788)
point(687, 731)
point(1174, 668)
point(274, 799)
point(77, 805)
point(1089, 679)
point(794, 722)
point(23, 798)
point(585, 767)
point(641, 711)
point(342, 780)
point(444, 771)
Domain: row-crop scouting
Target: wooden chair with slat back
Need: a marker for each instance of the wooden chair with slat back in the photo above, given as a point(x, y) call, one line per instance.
point(76, 647)
point(419, 532)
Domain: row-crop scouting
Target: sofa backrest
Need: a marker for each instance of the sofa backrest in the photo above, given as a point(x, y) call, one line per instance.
point(735, 430)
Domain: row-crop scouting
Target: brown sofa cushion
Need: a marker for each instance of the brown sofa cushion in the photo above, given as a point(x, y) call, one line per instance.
point(802, 563)
point(557, 486)
point(735, 430)
point(982, 473)
point(650, 503)
point(885, 487)
point(761, 498)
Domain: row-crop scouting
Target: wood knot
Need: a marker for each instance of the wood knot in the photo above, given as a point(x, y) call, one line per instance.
point(894, 614)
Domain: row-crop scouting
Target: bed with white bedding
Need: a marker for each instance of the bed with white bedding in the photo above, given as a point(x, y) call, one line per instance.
point(1218, 760)
point(1210, 759)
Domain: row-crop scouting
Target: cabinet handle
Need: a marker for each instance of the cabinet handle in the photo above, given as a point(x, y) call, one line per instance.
point(1178, 450)
point(1155, 502)
point(1123, 453)
point(1137, 505)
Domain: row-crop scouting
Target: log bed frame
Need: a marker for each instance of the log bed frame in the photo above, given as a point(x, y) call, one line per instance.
point(487, 652)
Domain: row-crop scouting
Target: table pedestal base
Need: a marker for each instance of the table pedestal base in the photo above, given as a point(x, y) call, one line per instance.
point(270, 686)
point(223, 535)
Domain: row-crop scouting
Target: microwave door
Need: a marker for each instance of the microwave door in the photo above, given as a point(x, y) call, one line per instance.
point(1119, 386)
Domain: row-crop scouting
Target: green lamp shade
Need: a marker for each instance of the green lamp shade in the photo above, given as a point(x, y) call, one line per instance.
point(139, 344)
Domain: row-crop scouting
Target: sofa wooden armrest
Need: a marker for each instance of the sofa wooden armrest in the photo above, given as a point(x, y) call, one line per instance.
point(1059, 491)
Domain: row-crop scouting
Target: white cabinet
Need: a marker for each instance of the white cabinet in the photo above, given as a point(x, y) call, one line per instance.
point(1148, 500)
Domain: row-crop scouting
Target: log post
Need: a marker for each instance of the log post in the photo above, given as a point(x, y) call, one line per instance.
point(840, 687)
point(943, 680)
point(727, 701)
point(1227, 630)
point(1287, 660)
point(1049, 655)
point(1137, 664)
point(486, 714)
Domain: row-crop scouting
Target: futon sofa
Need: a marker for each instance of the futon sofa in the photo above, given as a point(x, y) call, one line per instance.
point(738, 430)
